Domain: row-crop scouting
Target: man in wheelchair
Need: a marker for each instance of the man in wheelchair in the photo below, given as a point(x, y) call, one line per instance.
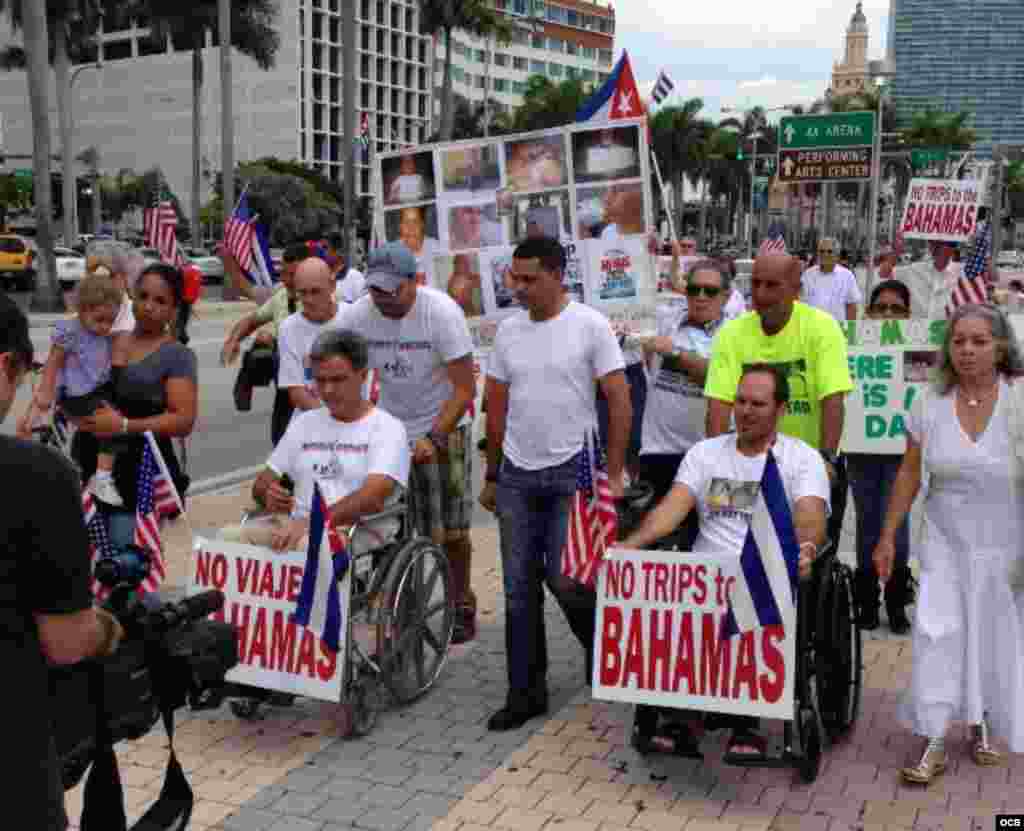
point(357, 453)
point(719, 478)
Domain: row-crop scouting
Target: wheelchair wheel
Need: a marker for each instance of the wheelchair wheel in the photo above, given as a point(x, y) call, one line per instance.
point(362, 699)
point(839, 667)
point(247, 709)
point(810, 744)
point(420, 617)
point(645, 722)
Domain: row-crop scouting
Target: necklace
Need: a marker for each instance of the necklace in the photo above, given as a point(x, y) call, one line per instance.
point(976, 401)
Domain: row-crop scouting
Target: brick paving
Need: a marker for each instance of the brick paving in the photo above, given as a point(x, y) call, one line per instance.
point(433, 764)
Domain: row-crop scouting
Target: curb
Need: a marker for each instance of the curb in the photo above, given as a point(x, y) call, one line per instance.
point(203, 311)
point(223, 482)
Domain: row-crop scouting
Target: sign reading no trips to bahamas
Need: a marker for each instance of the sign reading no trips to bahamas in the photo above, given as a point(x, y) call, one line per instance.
point(658, 639)
point(941, 209)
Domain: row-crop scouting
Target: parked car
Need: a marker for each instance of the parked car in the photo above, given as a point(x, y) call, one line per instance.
point(17, 263)
point(211, 266)
point(1009, 260)
point(70, 267)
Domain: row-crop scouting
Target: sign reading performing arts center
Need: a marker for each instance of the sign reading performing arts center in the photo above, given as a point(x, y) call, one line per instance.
point(837, 147)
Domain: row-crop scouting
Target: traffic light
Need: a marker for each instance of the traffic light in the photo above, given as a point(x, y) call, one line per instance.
point(739, 154)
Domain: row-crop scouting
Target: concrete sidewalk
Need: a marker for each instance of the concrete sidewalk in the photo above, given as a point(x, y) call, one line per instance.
point(213, 310)
point(433, 764)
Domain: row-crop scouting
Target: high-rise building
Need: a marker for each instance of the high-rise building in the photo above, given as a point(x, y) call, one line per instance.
point(137, 109)
point(962, 55)
point(560, 40)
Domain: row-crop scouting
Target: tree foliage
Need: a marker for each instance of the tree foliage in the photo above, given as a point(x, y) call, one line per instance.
point(548, 103)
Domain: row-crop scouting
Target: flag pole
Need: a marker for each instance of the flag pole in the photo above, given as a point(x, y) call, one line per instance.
point(664, 199)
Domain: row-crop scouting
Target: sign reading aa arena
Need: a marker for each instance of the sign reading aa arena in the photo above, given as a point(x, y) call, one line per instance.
point(658, 639)
point(890, 362)
point(462, 207)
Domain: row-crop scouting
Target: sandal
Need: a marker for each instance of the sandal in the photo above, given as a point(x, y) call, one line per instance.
point(738, 751)
point(931, 764)
point(982, 750)
point(677, 738)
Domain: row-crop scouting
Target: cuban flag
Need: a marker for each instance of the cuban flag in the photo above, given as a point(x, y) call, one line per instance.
point(617, 98)
point(767, 581)
point(319, 603)
point(262, 272)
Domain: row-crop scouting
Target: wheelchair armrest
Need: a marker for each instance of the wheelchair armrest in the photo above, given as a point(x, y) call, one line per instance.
point(398, 510)
point(254, 513)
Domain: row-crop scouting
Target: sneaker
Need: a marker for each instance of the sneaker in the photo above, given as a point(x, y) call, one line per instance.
point(104, 489)
point(511, 717)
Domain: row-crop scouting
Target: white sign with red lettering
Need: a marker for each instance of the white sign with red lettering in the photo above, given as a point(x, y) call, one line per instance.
point(941, 209)
point(658, 639)
point(260, 588)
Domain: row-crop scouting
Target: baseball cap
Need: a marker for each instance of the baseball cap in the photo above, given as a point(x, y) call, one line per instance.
point(389, 265)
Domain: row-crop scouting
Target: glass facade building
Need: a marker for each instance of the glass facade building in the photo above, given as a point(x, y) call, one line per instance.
point(962, 55)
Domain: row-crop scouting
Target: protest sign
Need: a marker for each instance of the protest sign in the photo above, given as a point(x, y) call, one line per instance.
point(658, 638)
point(941, 209)
point(260, 588)
point(890, 362)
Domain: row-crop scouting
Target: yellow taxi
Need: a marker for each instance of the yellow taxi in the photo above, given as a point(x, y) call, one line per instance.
point(16, 263)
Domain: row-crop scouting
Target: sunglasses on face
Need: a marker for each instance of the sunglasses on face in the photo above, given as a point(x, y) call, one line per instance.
point(889, 308)
point(826, 251)
point(707, 291)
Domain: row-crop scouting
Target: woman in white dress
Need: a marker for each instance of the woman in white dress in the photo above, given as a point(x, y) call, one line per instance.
point(968, 638)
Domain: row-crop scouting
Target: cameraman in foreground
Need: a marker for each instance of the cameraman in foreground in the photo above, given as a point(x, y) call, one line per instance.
point(46, 603)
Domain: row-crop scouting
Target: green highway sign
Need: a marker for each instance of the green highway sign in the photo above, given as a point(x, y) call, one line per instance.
point(798, 132)
point(928, 156)
point(23, 173)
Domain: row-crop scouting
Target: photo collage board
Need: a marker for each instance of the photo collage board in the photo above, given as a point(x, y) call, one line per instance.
point(462, 207)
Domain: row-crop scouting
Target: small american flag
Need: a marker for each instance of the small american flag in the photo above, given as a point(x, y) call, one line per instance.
point(161, 224)
point(774, 241)
point(155, 498)
point(970, 286)
point(663, 88)
point(239, 233)
point(593, 521)
point(99, 540)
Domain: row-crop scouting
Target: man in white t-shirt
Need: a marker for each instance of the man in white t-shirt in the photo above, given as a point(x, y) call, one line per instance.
point(931, 282)
point(350, 284)
point(356, 452)
point(545, 364)
point(314, 289)
point(830, 286)
point(720, 479)
point(422, 350)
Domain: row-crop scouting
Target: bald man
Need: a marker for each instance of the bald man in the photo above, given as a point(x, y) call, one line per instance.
point(807, 344)
point(314, 289)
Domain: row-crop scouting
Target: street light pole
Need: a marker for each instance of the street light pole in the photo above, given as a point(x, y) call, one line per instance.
point(876, 185)
point(750, 215)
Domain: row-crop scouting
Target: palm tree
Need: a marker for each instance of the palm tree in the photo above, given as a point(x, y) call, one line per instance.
point(675, 135)
point(549, 104)
point(754, 124)
point(934, 128)
point(473, 16)
point(253, 33)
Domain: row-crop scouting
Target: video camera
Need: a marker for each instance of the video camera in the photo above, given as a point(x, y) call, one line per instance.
point(170, 655)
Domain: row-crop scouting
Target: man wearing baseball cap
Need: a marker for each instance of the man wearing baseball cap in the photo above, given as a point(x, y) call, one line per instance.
point(422, 350)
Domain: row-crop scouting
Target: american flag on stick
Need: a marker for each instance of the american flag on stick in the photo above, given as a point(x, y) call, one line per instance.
point(161, 225)
point(99, 540)
point(593, 521)
point(774, 241)
point(970, 286)
point(239, 233)
point(662, 88)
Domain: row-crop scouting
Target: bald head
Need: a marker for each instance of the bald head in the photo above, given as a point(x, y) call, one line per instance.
point(314, 288)
point(774, 287)
point(783, 267)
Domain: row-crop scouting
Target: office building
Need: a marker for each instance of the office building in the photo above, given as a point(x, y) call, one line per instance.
point(962, 55)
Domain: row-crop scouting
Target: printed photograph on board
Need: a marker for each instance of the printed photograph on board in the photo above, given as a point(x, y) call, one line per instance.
point(610, 212)
point(536, 163)
point(541, 215)
point(416, 226)
point(616, 270)
point(459, 276)
point(606, 153)
point(919, 365)
point(408, 178)
point(498, 297)
point(469, 172)
point(474, 226)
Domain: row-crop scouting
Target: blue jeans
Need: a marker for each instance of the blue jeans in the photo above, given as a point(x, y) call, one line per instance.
point(533, 515)
point(871, 480)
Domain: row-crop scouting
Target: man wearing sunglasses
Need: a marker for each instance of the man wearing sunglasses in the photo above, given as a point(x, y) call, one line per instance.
point(420, 346)
point(831, 286)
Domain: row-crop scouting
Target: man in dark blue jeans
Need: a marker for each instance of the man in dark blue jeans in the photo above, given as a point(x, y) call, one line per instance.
point(544, 368)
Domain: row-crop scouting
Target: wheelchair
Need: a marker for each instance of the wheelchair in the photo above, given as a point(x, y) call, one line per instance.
point(400, 595)
point(829, 669)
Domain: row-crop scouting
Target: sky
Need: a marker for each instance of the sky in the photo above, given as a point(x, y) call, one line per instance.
point(742, 53)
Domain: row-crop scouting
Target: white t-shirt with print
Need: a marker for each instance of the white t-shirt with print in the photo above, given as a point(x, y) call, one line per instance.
point(294, 342)
point(350, 287)
point(410, 354)
point(726, 485)
point(675, 411)
point(931, 290)
point(551, 368)
point(319, 449)
point(831, 292)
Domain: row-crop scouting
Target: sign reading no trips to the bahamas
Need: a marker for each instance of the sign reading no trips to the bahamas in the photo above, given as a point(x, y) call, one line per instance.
point(658, 638)
point(941, 209)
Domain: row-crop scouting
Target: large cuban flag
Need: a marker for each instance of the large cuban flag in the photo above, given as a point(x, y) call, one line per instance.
point(617, 98)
